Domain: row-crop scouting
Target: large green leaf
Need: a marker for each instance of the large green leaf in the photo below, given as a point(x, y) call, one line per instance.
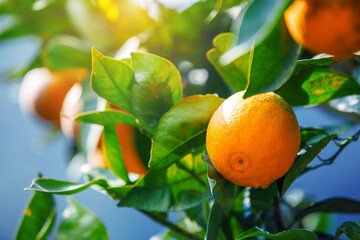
point(38, 219)
point(301, 163)
point(316, 85)
point(273, 53)
point(351, 229)
point(107, 117)
point(110, 185)
point(332, 205)
point(234, 73)
point(179, 187)
point(48, 185)
point(80, 223)
point(158, 88)
point(255, 22)
point(273, 62)
point(298, 234)
point(182, 130)
point(113, 153)
point(112, 79)
point(62, 52)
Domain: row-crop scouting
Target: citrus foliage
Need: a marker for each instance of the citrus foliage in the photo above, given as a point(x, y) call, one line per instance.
point(164, 101)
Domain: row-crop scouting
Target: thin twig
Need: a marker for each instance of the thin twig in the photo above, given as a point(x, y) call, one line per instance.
point(171, 226)
point(342, 146)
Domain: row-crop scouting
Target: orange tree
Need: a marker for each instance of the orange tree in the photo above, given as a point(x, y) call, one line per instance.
point(169, 106)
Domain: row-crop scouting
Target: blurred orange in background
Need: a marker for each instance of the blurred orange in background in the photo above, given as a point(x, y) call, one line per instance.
point(42, 92)
point(326, 26)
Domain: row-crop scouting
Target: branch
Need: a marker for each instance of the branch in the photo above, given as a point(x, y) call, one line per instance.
point(341, 145)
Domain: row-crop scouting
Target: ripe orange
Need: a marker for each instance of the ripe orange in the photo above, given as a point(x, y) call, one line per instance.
point(254, 141)
point(326, 26)
point(42, 92)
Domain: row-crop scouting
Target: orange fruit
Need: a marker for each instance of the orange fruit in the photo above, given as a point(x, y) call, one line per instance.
point(42, 92)
point(326, 26)
point(254, 141)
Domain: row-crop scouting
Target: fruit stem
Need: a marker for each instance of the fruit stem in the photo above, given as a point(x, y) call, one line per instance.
point(171, 226)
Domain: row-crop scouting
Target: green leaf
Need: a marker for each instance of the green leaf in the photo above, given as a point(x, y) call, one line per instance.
point(273, 62)
point(49, 185)
point(215, 221)
point(113, 153)
point(223, 191)
point(107, 117)
point(332, 205)
point(317, 85)
point(112, 79)
point(273, 53)
point(38, 219)
point(351, 229)
point(298, 234)
point(62, 52)
point(182, 130)
point(158, 88)
point(255, 22)
point(234, 73)
point(80, 223)
point(179, 187)
point(301, 163)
